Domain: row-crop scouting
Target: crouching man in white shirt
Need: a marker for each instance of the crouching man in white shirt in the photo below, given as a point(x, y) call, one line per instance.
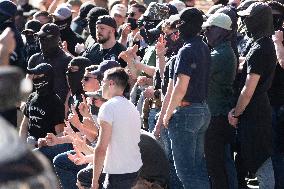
point(117, 152)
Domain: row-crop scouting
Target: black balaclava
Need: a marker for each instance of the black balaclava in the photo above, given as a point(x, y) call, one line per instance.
point(43, 85)
point(260, 24)
point(74, 78)
point(49, 45)
point(188, 30)
point(278, 14)
point(191, 20)
point(217, 35)
point(173, 44)
point(93, 16)
point(64, 24)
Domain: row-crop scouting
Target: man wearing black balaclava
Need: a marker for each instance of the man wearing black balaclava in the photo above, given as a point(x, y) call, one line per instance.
point(252, 113)
point(92, 18)
point(44, 111)
point(49, 39)
point(75, 73)
point(63, 19)
point(187, 116)
point(7, 13)
point(80, 23)
point(31, 42)
point(219, 135)
point(14, 153)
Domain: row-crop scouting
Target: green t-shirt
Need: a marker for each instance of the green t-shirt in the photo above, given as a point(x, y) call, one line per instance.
point(222, 75)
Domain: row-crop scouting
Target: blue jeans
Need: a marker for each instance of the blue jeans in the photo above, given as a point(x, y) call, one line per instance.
point(265, 175)
point(175, 182)
point(51, 151)
point(66, 170)
point(278, 145)
point(152, 118)
point(187, 129)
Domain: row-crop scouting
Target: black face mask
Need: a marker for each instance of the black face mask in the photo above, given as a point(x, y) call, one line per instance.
point(133, 23)
point(74, 80)
point(216, 35)
point(64, 24)
point(173, 44)
point(49, 45)
point(186, 31)
point(278, 21)
point(43, 85)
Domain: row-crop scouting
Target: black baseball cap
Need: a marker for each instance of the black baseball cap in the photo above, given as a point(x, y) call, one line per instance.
point(190, 15)
point(107, 20)
point(8, 8)
point(104, 66)
point(32, 26)
point(49, 29)
point(42, 68)
point(85, 9)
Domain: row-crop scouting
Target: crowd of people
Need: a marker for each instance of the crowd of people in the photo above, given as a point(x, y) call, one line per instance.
point(132, 94)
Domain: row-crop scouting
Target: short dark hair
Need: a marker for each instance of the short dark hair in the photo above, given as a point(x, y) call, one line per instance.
point(119, 76)
point(141, 8)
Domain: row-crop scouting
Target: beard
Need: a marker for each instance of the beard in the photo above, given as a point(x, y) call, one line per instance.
point(101, 39)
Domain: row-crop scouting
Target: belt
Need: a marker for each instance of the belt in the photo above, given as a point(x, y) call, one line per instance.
point(184, 103)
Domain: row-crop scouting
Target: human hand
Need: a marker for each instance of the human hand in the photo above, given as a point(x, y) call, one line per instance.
point(41, 142)
point(149, 92)
point(68, 130)
point(277, 37)
point(126, 29)
point(84, 108)
point(80, 142)
point(166, 119)
point(73, 117)
point(78, 158)
point(51, 139)
point(79, 48)
point(129, 55)
point(157, 130)
point(141, 80)
point(232, 120)
point(161, 46)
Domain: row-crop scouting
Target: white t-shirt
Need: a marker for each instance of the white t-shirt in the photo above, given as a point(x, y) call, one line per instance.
point(123, 153)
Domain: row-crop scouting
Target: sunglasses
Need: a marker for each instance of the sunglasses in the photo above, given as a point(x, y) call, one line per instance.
point(131, 14)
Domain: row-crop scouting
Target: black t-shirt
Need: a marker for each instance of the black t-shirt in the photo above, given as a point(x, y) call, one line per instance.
point(96, 54)
point(44, 113)
point(262, 61)
point(193, 60)
point(255, 129)
point(59, 62)
point(276, 92)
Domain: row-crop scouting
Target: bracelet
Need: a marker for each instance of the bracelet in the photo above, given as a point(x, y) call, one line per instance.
point(234, 116)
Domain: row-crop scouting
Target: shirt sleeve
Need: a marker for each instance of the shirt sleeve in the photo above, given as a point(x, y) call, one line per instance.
point(172, 68)
point(256, 63)
point(106, 113)
point(185, 64)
